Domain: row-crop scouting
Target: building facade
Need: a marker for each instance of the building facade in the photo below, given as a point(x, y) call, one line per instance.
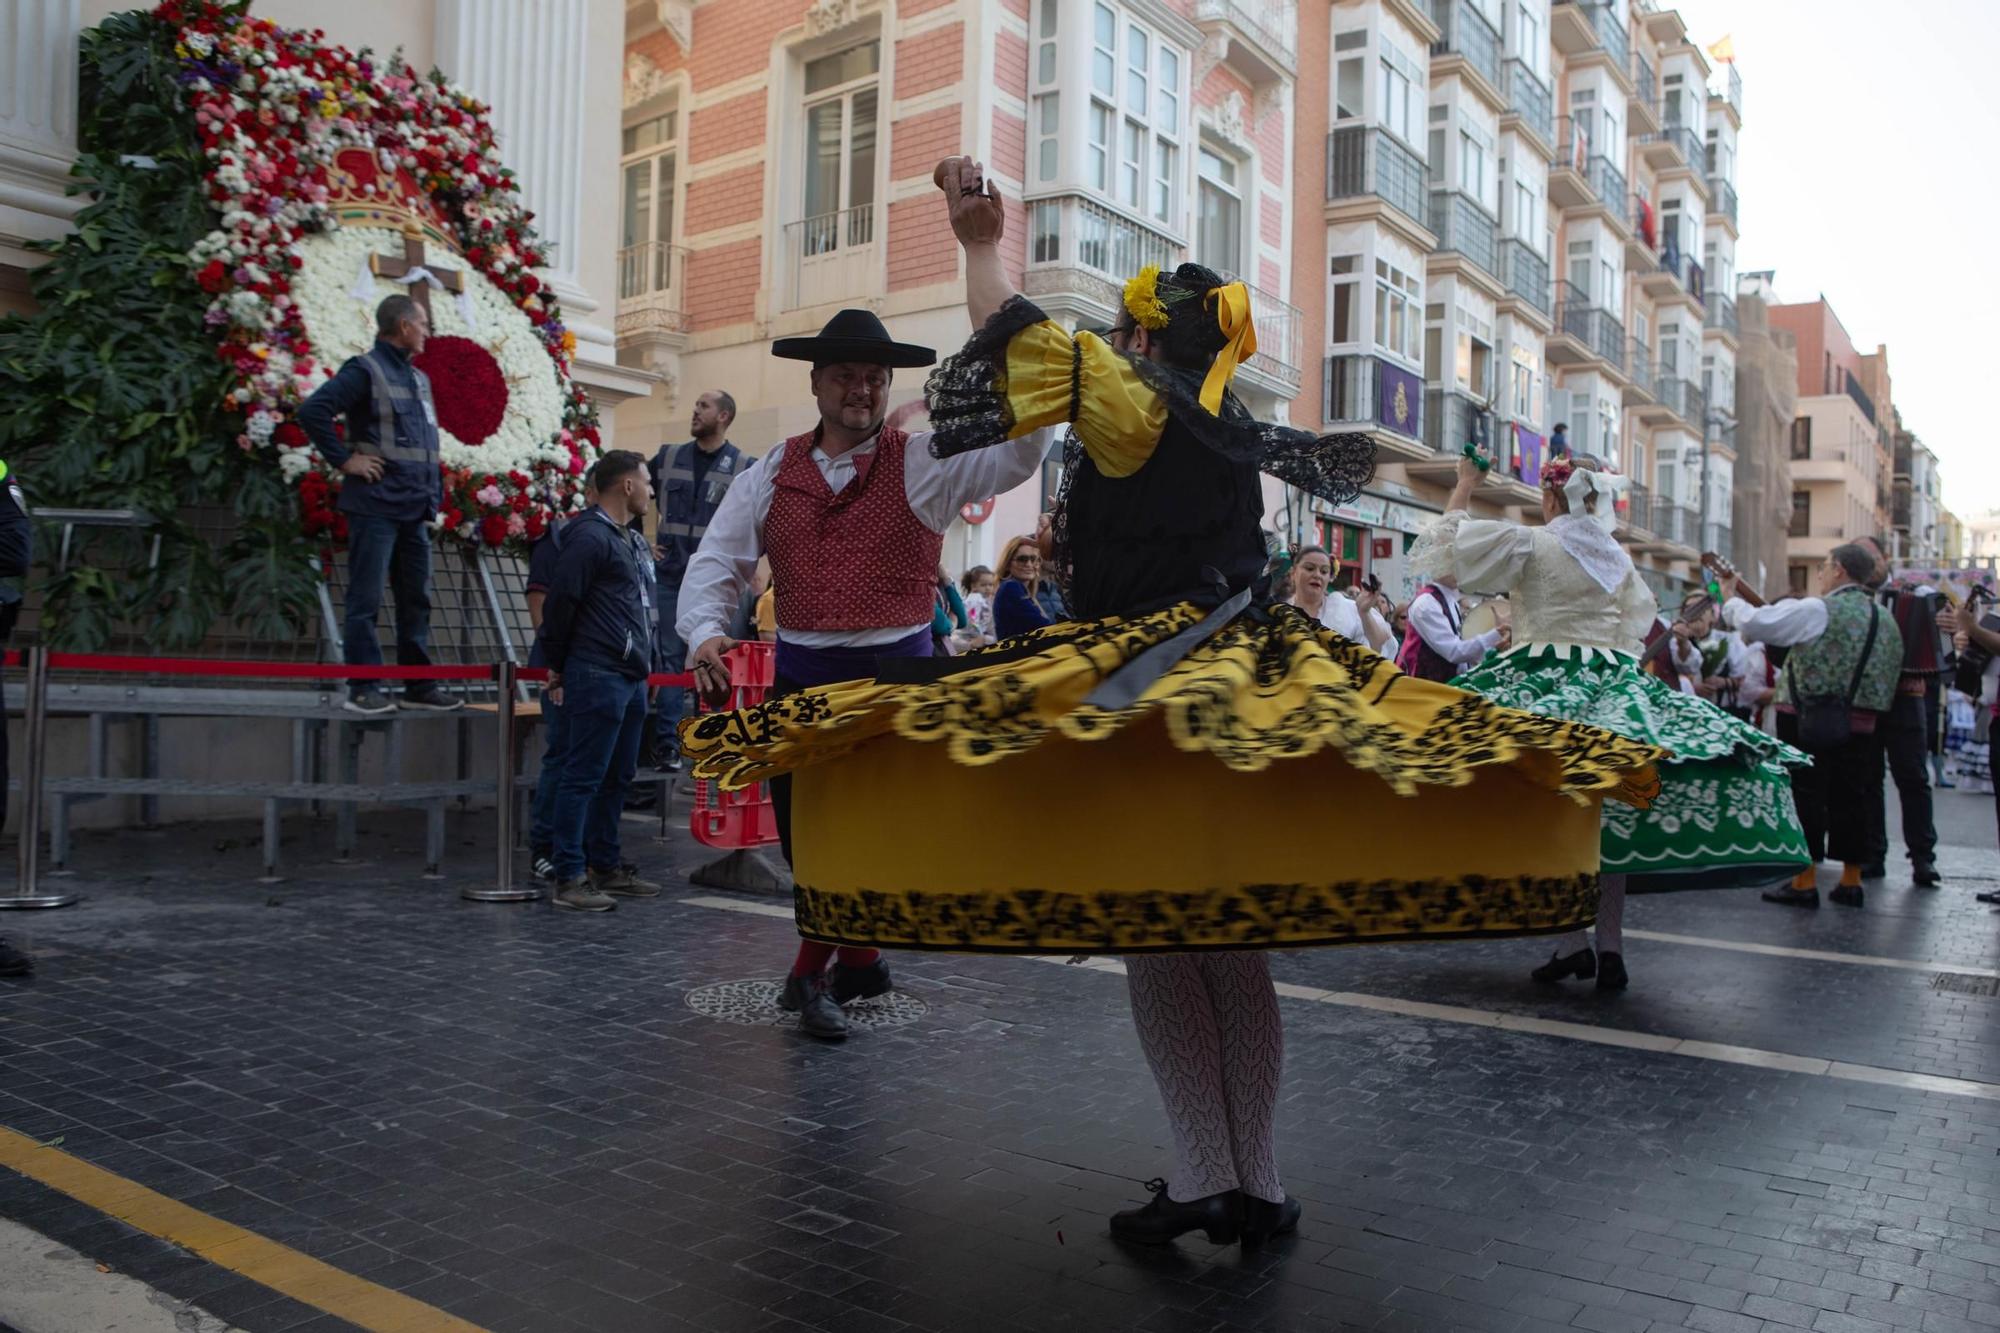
point(1767, 396)
point(1839, 451)
point(777, 167)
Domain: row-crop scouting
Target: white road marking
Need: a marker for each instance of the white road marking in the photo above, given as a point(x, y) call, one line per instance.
point(1548, 1027)
point(1816, 955)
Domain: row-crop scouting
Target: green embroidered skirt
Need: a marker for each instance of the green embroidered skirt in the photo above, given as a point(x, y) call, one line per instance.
point(1724, 818)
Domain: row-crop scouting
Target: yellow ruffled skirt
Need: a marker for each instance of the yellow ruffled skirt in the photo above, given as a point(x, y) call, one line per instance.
point(1278, 787)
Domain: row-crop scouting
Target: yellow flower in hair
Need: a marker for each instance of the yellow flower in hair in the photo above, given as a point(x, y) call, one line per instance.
point(1142, 299)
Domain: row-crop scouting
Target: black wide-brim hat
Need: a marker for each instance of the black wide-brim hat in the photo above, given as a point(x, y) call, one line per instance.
point(854, 335)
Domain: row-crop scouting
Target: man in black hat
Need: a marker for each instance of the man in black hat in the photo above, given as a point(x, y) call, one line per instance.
point(852, 514)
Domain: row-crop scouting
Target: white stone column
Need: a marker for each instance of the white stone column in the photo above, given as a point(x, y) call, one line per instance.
point(546, 69)
point(37, 121)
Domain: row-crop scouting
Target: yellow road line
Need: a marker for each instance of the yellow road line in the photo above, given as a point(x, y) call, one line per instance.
point(279, 1267)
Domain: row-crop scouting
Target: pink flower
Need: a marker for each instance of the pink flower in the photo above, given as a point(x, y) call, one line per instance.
point(516, 525)
point(490, 496)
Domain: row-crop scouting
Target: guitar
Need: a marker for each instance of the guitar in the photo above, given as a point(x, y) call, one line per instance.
point(1722, 569)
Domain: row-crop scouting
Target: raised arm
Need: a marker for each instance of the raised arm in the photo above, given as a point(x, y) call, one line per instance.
point(979, 221)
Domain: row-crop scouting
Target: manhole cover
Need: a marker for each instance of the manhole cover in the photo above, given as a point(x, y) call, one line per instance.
point(1961, 983)
point(755, 1004)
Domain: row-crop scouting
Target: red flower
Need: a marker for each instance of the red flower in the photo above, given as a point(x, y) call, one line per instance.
point(530, 284)
point(289, 433)
point(518, 503)
point(213, 276)
point(494, 529)
point(453, 517)
point(537, 525)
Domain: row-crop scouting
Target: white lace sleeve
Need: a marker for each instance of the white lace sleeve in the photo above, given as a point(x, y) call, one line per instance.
point(1637, 609)
point(1482, 554)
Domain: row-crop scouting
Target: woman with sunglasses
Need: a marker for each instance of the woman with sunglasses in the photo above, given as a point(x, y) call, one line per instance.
point(1016, 605)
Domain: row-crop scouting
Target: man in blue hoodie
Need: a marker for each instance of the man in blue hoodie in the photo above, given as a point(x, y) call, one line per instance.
point(390, 490)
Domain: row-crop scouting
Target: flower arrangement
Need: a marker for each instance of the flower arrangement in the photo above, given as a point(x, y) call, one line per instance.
point(314, 155)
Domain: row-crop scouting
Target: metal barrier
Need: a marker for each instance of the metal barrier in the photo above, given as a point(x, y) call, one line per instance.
point(505, 675)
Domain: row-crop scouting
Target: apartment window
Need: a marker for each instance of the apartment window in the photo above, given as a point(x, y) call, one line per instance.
point(1670, 349)
point(648, 204)
point(1219, 212)
point(1350, 102)
point(1801, 437)
point(1520, 392)
point(1141, 168)
point(1045, 45)
point(1613, 298)
point(1583, 117)
point(1714, 142)
point(1402, 89)
point(1581, 264)
point(1670, 231)
point(1475, 149)
point(1801, 514)
point(1398, 317)
point(840, 108)
point(1671, 110)
point(1528, 37)
point(1048, 129)
point(1524, 212)
point(1342, 322)
point(1046, 118)
point(1607, 430)
point(1642, 333)
point(1045, 231)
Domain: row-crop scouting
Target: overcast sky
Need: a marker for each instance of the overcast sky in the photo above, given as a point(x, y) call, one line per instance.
point(1866, 174)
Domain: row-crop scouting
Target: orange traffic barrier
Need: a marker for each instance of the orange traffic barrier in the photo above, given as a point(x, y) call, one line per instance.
point(738, 819)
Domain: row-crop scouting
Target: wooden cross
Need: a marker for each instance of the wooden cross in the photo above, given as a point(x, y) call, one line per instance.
point(382, 266)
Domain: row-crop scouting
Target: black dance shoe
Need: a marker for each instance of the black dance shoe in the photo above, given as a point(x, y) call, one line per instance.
point(1792, 897)
point(819, 1016)
point(1611, 971)
point(1263, 1219)
point(860, 983)
point(1926, 876)
point(1875, 870)
point(1582, 965)
point(1219, 1216)
point(1848, 895)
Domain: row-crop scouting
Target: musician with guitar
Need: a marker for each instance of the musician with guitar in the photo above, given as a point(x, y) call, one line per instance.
point(1978, 638)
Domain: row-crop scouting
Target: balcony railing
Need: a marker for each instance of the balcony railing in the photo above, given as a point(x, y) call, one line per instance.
point(1695, 280)
point(1722, 432)
point(649, 269)
point(1463, 226)
point(1715, 537)
point(1464, 31)
point(1683, 398)
point(1645, 83)
point(1595, 328)
point(1366, 390)
point(1674, 522)
point(1363, 160)
point(1860, 396)
point(1639, 507)
point(1272, 24)
point(1722, 314)
point(1277, 338)
point(1733, 89)
point(1722, 198)
point(1801, 524)
point(832, 257)
point(1682, 139)
point(1080, 233)
point(1609, 184)
point(1572, 146)
point(1452, 421)
point(1639, 368)
point(1529, 98)
point(1525, 273)
point(1606, 20)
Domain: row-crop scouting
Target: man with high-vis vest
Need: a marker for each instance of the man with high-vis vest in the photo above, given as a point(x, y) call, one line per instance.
point(17, 551)
point(689, 481)
point(390, 491)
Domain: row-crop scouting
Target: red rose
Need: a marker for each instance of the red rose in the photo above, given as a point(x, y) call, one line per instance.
point(453, 517)
point(494, 529)
point(213, 276)
point(518, 503)
point(530, 284)
point(536, 525)
point(290, 433)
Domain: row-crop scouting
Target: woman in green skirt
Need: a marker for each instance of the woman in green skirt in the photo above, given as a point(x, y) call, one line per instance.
point(1724, 818)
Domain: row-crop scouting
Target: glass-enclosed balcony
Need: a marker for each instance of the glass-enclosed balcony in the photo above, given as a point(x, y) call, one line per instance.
point(1362, 160)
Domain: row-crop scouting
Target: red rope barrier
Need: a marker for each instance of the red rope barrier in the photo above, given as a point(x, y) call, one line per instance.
point(233, 669)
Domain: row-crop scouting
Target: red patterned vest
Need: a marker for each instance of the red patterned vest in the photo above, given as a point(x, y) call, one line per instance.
point(857, 560)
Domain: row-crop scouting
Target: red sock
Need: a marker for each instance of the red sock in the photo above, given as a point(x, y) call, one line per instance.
point(812, 959)
point(860, 957)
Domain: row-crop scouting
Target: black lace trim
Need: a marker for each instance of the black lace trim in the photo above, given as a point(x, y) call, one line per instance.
point(967, 397)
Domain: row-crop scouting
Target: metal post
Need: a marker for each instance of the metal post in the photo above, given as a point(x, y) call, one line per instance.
point(35, 716)
point(504, 889)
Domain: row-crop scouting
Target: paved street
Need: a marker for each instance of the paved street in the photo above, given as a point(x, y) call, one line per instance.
point(543, 1123)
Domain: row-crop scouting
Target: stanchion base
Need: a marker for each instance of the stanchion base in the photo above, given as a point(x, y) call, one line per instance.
point(13, 900)
point(500, 895)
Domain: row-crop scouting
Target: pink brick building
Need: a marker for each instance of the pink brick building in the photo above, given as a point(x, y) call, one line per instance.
point(776, 166)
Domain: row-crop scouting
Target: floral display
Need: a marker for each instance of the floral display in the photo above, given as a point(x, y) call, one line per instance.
point(323, 167)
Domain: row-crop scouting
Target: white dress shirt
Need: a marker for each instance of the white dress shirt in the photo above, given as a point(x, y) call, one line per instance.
point(1341, 615)
point(1780, 624)
point(1440, 630)
point(937, 488)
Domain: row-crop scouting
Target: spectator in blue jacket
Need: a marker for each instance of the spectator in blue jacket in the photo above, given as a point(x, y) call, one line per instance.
point(555, 734)
point(390, 490)
point(1016, 610)
point(597, 635)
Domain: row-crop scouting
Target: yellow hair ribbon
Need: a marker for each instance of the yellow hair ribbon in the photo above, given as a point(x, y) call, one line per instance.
point(1232, 313)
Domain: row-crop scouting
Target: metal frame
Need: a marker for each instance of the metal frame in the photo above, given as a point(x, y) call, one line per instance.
point(27, 888)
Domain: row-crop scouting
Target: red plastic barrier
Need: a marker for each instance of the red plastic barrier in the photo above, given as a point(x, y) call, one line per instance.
point(736, 819)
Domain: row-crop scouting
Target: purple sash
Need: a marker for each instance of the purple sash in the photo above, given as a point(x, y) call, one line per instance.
point(803, 668)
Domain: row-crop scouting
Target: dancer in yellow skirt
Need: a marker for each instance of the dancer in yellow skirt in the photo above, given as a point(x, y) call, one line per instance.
point(1150, 742)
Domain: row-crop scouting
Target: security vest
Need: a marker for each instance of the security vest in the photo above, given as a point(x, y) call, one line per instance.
point(685, 510)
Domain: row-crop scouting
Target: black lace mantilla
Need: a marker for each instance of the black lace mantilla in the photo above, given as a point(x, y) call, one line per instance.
point(967, 397)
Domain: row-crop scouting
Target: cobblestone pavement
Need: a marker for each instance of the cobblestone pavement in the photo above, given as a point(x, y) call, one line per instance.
point(520, 1117)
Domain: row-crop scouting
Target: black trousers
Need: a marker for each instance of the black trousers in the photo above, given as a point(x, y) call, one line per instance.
point(781, 786)
point(1835, 795)
point(1905, 734)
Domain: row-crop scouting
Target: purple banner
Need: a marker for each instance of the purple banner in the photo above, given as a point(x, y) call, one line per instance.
point(1528, 449)
point(1400, 406)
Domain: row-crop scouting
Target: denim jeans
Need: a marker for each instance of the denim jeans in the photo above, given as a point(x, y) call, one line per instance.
point(396, 552)
point(669, 702)
point(604, 716)
point(555, 738)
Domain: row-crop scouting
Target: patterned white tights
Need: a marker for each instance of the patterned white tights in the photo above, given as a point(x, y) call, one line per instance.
point(1211, 1031)
point(1610, 920)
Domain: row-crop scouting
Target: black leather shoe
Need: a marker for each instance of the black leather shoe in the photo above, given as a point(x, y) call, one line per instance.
point(818, 1015)
point(1875, 871)
point(1263, 1219)
point(1582, 965)
point(1792, 897)
point(1926, 876)
point(1219, 1217)
point(1848, 895)
point(1611, 971)
point(860, 983)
